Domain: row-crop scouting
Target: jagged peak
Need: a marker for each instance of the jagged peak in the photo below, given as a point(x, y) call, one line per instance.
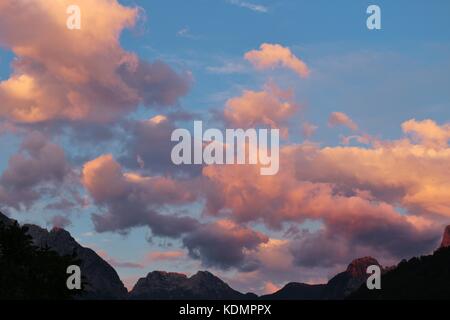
point(165, 274)
point(204, 274)
point(446, 238)
point(4, 218)
point(358, 267)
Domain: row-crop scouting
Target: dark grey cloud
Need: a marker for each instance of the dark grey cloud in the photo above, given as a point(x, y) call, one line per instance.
point(224, 245)
point(39, 168)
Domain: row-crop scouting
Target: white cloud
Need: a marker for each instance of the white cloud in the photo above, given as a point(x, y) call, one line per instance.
point(248, 5)
point(186, 33)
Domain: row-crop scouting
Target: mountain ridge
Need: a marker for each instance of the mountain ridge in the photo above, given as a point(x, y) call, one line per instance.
point(104, 282)
point(159, 285)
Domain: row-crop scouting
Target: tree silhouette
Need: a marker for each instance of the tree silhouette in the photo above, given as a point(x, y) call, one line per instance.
point(426, 277)
point(29, 272)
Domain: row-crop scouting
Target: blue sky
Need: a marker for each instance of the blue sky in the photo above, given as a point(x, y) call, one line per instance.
point(379, 78)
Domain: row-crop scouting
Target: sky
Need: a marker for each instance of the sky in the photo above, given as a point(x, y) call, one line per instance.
point(86, 117)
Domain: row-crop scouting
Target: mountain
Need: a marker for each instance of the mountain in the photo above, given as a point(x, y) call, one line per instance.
point(160, 285)
point(446, 238)
point(336, 289)
point(28, 272)
point(102, 280)
point(5, 219)
point(297, 291)
point(426, 277)
point(351, 279)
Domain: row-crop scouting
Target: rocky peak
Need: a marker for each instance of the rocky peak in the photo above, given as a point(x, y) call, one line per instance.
point(358, 267)
point(170, 285)
point(164, 277)
point(204, 276)
point(103, 281)
point(5, 219)
point(446, 238)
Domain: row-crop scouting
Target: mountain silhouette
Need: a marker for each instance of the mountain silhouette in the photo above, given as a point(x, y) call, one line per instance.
point(28, 272)
point(102, 281)
point(426, 277)
point(337, 288)
point(446, 238)
point(419, 278)
point(160, 285)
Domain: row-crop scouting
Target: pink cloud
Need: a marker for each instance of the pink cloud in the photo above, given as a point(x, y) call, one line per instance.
point(165, 255)
point(274, 55)
point(38, 169)
point(77, 75)
point(271, 107)
point(117, 263)
point(308, 129)
point(428, 132)
point(341, 119)
point(140, 197)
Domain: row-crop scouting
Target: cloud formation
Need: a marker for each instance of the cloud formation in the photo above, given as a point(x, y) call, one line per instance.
point(39, 168)
point(341, 119)
point(224, 244)
point(428, 133)
point(150, 146)
point(274, 55)
point(271, 107)
point(249, 5)
point(133, 200)
point(340, 185)
point(77, 75)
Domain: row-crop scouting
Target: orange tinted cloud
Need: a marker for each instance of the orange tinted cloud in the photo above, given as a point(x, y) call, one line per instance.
point(133, 199)
point(427, 132)
point(77, 75)
point(401, 172)
point(341, 119)
point(165, 255)
point(353, 192)
point(308, 129)
point(104, 179)
point(270, 287)
point(271, 107)
point(275, 55)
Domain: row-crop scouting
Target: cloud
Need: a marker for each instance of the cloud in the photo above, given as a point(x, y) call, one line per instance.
point(186, 33)
point(150, 147)
point(133, 200)
point(165, 255)
point(427, 132)
point(270, 287)
point(351, 191)
point(308, 129)
point(39, 168)
point(399, 172)
point(271, 107)
point(59, 221)
point(251, 6)
point(229, 67)
point(77, 75)
point(224, 244)
point(341, 119)
point(275, 55)
point(117, 263)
